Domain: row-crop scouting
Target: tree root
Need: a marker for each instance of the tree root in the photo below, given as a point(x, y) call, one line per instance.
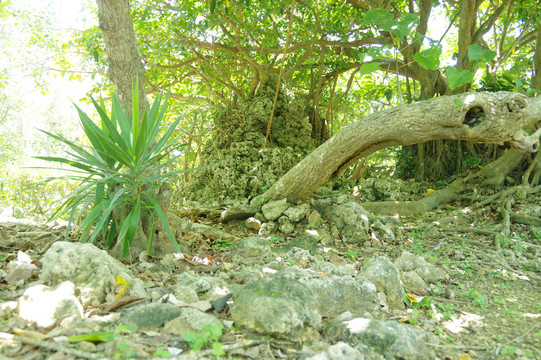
point(493, 174)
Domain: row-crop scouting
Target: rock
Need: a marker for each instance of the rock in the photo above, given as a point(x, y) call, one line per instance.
point(314, 220)
point(382, 231)
point(336, 294)
point(350, 218)
point(150, 315)
point(253, 224)
point(92, 270)
point(412, 280)
point(322, 235)
point(428, 272)
point(240, 211)
point(382, 273)
point(277, 305)
point(219, 304)
point(267, 229)
point(285, 225)
point(330, 269)
point(252, 247)
point(343, 351)
point(185, 293)
point(45, 306)
point(388, 338)
point(190, 319)
point(306, 242)
point(207, 287)
point(297, 213)
point(274, 209)
point(338, 351)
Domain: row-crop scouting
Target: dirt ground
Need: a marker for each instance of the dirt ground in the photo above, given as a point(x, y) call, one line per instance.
point(490, 307)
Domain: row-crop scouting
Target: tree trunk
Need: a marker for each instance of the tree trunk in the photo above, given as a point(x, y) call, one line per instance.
point(479, 117)
point(122, 51)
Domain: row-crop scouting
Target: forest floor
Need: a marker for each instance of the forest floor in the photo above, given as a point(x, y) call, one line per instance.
point(488, 308)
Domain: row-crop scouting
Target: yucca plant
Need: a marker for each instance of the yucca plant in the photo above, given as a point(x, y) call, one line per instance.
point(120, 172)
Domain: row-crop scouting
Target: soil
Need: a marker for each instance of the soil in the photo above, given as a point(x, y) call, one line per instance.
point(489, 308)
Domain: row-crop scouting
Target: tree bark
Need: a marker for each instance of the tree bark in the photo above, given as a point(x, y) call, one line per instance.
point(122, 51)
point(479, 117)
point(536, 78)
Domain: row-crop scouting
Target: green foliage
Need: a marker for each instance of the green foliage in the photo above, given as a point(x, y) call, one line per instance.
point(405, 164)
point(471, 162)
point(162, 353)
point(430, 58)
point(458, 77)
point(10, 148)
point(208, 336)
point(368, 68)
point(109, 335)
point(478, 55)
point(478, 299)
point(120, 172)
point(447, 310)
point(276, 239)
point(426, 302)
point(29, 193)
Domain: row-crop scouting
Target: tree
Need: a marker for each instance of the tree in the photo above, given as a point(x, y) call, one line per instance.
point(124, 59)
point(489, 117)
point(334, 55)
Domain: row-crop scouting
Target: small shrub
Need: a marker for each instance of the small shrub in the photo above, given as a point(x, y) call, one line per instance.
point(120, 173)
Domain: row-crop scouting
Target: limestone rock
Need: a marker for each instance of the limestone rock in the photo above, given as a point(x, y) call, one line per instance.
point(252, 247)
point(314, 220)
point(189, 319)
point(428, 272)
point(382, 273)
point(253, 224)
point(185, 293)
point(388, 338)
point(274, 209)
point(92, 270)
point(298, 212)
point(350, 218)
point(241, 211)
point(150, 315)
point(277, 305)
point(45, 306)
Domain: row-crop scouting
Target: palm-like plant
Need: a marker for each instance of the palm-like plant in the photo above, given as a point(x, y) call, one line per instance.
point(119, 172)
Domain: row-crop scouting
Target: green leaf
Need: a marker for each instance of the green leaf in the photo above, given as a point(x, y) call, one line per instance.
point(217, 349)
point(367, 68)
point(377, 17)
point(164, 221)
point(128, 229)
point(458, 77)
point(94, 337)
point(212, 6)
point(388, 94)
point(474, 52)
point(477, 54)
point(429, 58)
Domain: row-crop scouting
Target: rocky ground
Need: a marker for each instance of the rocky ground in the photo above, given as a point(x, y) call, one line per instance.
point(323, 279)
